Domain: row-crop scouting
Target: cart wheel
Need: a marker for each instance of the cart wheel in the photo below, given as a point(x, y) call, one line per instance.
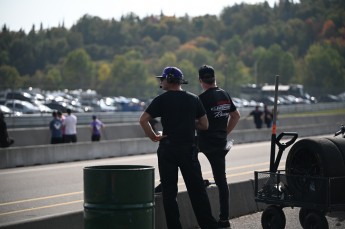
point(315, 220)
point(273, 217)
point(303, 212)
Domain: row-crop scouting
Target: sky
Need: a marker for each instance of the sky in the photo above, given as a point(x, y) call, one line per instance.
point(23, 14)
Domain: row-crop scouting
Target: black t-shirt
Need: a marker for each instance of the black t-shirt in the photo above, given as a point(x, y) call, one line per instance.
point(257, 115)
point(178, 111)
point(218, 104)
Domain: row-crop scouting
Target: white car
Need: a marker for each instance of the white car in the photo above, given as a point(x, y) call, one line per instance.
point(22, 106)
point(5, 110)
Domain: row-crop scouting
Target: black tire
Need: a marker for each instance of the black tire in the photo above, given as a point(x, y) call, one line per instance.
point(312, 158)
point(273, 217)
point(338, 185)
point(340, 143)
point(315, 220)
point(315, 157)
point(303, 212)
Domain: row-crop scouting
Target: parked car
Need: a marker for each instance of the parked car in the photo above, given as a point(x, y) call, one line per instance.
point(5, 110)
point(18, 95)
point(22, 106)
point(60, 106)
point(43, 108)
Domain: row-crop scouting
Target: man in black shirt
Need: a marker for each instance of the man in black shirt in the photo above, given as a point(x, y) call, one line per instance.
point(180, 112)
point(223, 116)
point(257, 117)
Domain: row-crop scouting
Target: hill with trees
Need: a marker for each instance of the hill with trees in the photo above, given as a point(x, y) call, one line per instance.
point(302, 42)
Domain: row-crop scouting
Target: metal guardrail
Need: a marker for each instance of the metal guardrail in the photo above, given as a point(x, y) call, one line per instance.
point(40, 120)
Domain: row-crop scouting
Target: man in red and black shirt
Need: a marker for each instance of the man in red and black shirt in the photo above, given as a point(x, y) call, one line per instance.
point(223, 116)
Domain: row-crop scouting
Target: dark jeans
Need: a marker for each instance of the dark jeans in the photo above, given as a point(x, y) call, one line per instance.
point(95, 137)
point(56, 140)
point(258, 124)
point(70, 138)
point(170, 159)
point(217, 162)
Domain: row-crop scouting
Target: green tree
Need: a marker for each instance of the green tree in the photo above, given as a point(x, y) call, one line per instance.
point(9, 77)
point(128, 77)
point(325, 70)
point(271, 62)
point(78, 70)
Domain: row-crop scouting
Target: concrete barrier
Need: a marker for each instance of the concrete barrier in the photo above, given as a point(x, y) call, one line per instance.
point(41, 135)
point(241, 203)
point(48, 154)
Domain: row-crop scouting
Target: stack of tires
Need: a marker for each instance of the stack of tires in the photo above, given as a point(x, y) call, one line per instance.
point(310, 163)
point(315, 172)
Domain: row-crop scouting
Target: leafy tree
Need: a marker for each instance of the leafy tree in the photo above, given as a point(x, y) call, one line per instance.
point(128, 77)
point(274, 61)
point(22, 56)
point(10, 77)
point(324, 69)
point(246, 39)
point(78, 70)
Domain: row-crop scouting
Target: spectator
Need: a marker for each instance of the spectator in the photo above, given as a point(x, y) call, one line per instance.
point(223, 116)
point(96, 127)
point(257, 117)
point(5, 140)
point(55, 126)
point(62, 118)
point(70, 124)
point(268, 117)
point(179, 111)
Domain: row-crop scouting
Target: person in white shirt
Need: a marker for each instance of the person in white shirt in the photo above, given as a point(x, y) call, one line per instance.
point(70, 124)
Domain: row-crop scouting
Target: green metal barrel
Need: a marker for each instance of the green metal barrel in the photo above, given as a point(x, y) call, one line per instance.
point(119, 196)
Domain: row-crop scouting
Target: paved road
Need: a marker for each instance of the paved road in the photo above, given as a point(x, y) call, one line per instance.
point(32, 192)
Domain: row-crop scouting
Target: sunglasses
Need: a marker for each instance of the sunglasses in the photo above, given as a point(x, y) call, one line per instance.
point(162, 79)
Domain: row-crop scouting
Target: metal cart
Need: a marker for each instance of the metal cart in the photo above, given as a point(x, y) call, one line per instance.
point(314, 194)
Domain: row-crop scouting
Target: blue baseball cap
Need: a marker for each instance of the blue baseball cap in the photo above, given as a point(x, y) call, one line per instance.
point(173, 72)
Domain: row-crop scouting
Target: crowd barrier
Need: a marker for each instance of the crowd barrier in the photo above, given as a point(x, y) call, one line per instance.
point(112, 131)
point(136, 143)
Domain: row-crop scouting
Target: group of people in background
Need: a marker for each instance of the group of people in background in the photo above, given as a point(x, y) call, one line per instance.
point(63, 128)
point(260, 117)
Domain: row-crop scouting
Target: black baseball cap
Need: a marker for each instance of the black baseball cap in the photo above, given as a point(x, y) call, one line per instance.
point(206, 72)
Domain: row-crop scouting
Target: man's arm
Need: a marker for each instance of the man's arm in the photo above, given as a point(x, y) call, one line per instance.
point(232, 121)
point(145, 124)
point(202, 123)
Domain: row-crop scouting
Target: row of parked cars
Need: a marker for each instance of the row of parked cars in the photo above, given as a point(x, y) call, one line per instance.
point(288, 100)
point(35, 102)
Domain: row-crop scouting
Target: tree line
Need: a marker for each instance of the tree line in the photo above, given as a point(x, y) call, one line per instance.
point(302, 42)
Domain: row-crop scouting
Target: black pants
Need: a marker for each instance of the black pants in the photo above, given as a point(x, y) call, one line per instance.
point(95, 137)
point(56, 140)
point(170, 159)
point(70, 138)
point(217, 162)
